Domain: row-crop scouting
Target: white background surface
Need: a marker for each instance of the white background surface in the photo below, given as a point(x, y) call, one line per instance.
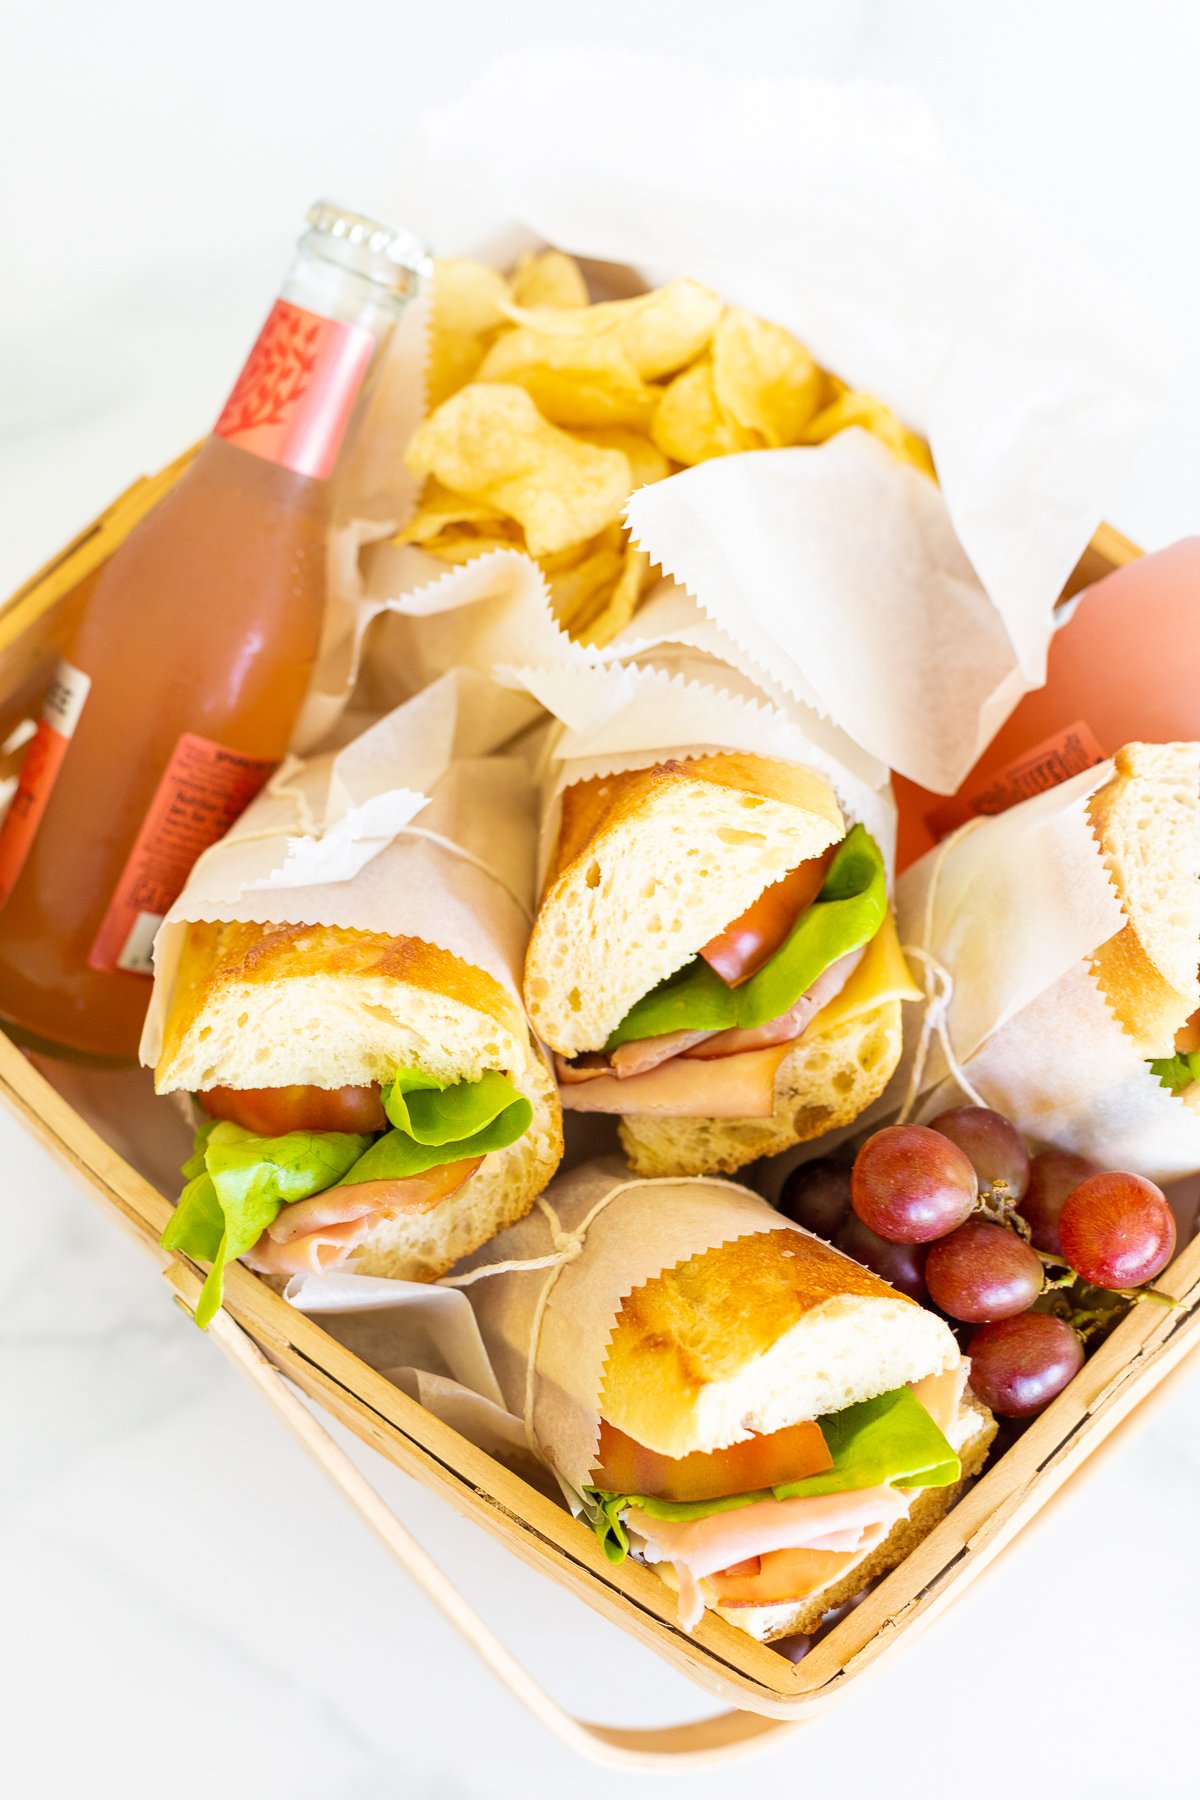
point(185, 1608)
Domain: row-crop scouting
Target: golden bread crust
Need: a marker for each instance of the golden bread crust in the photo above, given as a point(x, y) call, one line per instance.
point(605, 803)
point(708, 1317)
point(1146, 820)
point(223, 954)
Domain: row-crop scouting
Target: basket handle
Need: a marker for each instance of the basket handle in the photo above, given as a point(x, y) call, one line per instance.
point(697, 1743)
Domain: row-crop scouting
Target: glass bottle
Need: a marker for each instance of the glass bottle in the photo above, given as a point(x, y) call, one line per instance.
point(179, 691)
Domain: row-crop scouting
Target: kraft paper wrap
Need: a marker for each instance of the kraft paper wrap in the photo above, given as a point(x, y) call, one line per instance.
point(644, 1228)
point(1014, 907)
point(418, 827)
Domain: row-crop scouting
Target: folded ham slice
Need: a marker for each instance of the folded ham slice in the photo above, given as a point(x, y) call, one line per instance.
point(647, 1053)
point(735, 1087)
point(697, 1548)
point(310, 1237)
point(631, 1062)
point(789, 1025)
point(314, 1253)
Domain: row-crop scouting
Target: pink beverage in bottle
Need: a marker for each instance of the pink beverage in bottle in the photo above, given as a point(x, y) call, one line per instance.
point(182, 684)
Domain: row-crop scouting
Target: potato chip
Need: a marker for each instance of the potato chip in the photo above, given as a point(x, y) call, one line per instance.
point(645, 458)
point(854, 408)
point(468, 297)
point(573, 380)
point(462, 544)
point(548, 278)
point(690, 425)
point(764, 378)
point(441, 509)
point(622, 603)
point(454, 360)
point(581, 588)
point(658, 332)
point(490, 442)
point(467, 302)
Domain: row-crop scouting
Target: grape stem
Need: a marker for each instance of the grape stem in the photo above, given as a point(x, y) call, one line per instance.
point(996, 1204)
point(1149, 1293)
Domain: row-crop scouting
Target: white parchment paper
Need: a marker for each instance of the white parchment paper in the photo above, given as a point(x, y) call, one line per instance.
point(1014, 907)
point(832, 209)
point(419, 827)
point(676, 684)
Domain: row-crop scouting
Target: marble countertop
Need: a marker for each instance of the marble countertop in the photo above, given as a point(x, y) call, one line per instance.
point(188, 1610)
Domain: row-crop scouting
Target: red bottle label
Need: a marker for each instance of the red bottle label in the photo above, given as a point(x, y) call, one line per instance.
point(1055, 759)
point(40, 770)
point(203, 790)
point(292, 401)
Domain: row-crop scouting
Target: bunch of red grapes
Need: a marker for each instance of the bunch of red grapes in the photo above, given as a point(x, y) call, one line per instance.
point(1036, 1252)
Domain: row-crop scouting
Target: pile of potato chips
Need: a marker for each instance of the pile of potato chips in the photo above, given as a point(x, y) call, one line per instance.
point(546, 412)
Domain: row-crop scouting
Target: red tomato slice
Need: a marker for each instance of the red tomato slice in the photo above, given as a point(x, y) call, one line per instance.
point(743, 947)
point(272, 1112)
point(627, 1467)
point(782, 1577)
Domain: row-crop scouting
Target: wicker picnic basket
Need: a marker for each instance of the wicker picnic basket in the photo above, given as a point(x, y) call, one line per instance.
point(280, 1351)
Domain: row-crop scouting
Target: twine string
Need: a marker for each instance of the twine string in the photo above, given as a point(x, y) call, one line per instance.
point(308, 828)
point(939, 992)
point(568, 1245)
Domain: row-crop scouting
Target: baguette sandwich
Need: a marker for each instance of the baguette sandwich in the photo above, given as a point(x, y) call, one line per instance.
point(361, 1094)
point(714, 960)
point(1147, 822)
point(778, 1427)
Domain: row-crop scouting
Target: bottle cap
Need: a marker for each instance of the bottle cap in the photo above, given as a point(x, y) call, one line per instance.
point(385, 253)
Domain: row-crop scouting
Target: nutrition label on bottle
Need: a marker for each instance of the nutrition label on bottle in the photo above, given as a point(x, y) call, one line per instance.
point(43, 759)
point(203, 790)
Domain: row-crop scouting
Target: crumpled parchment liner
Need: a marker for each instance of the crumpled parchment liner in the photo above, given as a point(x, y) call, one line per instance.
point(831, 209)
point(1014, 907)
point(651, 1226)
point(328, 842)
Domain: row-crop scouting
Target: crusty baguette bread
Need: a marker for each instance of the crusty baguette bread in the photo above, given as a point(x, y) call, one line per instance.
point(1147, 822)
point(258, 1006)
point(649, 866)
point(823, 1083)
point(755, 1334)
point(767, 1623)
point(276, 1005)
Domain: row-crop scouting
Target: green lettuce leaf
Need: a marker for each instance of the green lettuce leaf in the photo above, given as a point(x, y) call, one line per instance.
point(415, 1103)
point(888, 1441)
point(1176, 1072)
point(439, 1125)
point(845, 915)
point(239, 1182)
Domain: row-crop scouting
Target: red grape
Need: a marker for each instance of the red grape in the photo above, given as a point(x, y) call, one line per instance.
point(903, 1265)
point(1117, 1231)
point(983, 1272)
point(817, 1195)
point(993, 1145)
point(1018, 1365)
point(1052, 1176)
point(911, 1184)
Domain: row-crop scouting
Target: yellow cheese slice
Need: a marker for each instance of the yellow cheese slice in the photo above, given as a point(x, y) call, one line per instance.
point(881, 975)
